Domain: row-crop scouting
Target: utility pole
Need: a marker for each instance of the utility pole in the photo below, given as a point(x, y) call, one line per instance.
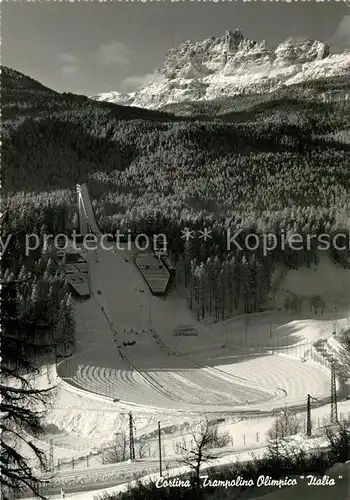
point(276, 441)
point(160, 450)
point(284, 425)
point(51, 459)
point(308, 416)
point(131, 437)
point(150, 311)
point(334, 406)
point(286, 418)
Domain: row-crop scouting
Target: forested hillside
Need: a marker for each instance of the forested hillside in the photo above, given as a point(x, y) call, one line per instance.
point(278, 167)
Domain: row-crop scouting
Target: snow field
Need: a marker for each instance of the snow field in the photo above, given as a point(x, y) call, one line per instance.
point(203, 378)
point(298, 378)
point(177, 372)
point(339, 471)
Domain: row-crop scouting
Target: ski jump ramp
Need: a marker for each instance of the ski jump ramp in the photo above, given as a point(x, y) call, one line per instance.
point(76, 267)
point(86, 214)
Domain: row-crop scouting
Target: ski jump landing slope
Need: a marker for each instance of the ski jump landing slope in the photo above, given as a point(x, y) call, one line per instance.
point(168, 372)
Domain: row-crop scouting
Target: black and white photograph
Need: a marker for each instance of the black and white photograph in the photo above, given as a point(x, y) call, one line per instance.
point(175, 250)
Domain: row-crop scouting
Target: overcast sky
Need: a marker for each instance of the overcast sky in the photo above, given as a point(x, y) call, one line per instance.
point(89, 48)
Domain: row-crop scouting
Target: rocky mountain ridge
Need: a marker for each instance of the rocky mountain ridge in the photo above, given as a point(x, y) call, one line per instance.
point(232, 65)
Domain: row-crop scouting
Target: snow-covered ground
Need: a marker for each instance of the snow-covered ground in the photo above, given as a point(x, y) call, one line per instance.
point(122, 473)
point(229, 366)
point(200, 373)
point(85, 424)
point(231, 370)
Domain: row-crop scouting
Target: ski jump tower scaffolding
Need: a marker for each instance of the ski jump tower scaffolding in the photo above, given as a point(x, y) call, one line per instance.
point(75, 265)
point(86, 214)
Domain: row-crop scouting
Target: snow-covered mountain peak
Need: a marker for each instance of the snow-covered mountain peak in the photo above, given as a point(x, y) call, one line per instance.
point(232, 65)
point(115, 96)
